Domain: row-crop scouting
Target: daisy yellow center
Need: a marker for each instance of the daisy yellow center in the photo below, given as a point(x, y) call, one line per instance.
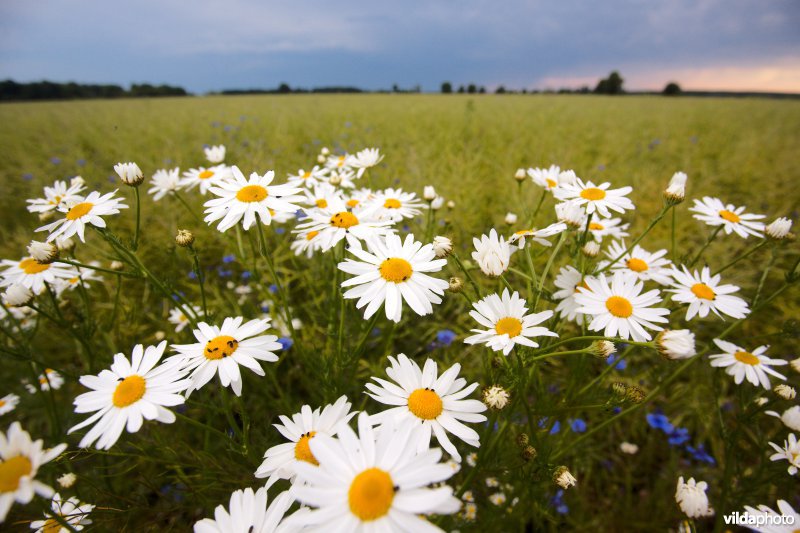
point(51, 526)
point(371, 494)
point(302, 451)
point(345, 220)
point(392, 203)
point(523, 232)
point(311, 235)
point(550, 183)
point(32, 266)
point(729, 216)
point(251, 193)
point(129, 391)
point(508, 326)
point(619, 307)
point(2, 403)
point(204, 175)
point(593, 193)
point(340, 162)
point(596, 227)
point(746, 358)
point(395, 269)
point(322, 203)
point(637, 265)
point(583, 285)
point(219, 347)
point(352, 203)
point(306, 175)
point(425, 404)
point(79, 210)
point(12, 470)
point(701, 290)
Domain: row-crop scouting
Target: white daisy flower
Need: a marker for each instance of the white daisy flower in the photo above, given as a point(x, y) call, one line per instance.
point(733, 219)
point(692, 499)
point(567, 281)
point(247, 512)
point(394, 204)
point(83, 211)
point(790, 417)
point(71, 510)
point(779, 229)
point(742, 364)
point(180, 320)
point(790, 452)
point(20, 459)
point(80, 276)
point(56, 196)
point(321, 195)
point(306, 243)
point(367, 158)
point(620, 308)
point(342, 178)
point(608, 227)
point(394, 271)
point(129, 393)
point(492, 253)
point(336, 222)
point(434, 402)
point(373, 481)
point(703, 293)
point(280, 460)
point(507, 322)
point(33, 274)
point(639, 263)
point(676, 344)
point(547, 178)
point(572, 214)
point(220, 350)
point(676, 189)
point(785, 520)
point(43, 252)
point(165, 182)
point(50, 380)
point(596, 198)
point(243, 199)
point(204, 178)
point(309, 178)
point(339, 163)
point(215, 154)
point(537, 235)
point(17, 295)
point(358, 198)
point(8, 403)
point(129, 173)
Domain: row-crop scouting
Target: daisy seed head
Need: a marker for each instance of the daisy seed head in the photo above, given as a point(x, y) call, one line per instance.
point(603, 349)
point(591, 249)
point(457, 285)
point(496, 397)
point(675, 192)
point(619, 388)
point(17, 295)
point(635, 394)
point(676, 344)
point(528, 453)
point(779, 229)
point(129, 173)
point(523, 440)
point(184, 238)
point(563, 478)
point(44, 252)
point(785, 391)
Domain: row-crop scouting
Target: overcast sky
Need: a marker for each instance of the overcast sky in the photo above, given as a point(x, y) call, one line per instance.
point(206, 45)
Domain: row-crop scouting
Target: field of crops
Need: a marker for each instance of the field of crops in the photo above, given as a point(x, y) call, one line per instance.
point(625, 427)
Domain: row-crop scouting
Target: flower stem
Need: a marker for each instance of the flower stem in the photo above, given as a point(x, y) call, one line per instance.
point(547, 266)
point(740, 257)
point(703, 249)
point(467, 274)
point(135, 244)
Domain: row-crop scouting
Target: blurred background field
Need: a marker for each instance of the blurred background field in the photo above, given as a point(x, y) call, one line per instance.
point(743, 151)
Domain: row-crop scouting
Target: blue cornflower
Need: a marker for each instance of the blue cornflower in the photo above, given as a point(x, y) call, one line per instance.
point(445, 337)
point(230, 258)
point(280, 231)
point(191, 274)
point(621, 365)
point(55, 160)
point(577, 425)
point(27, 176)
point(81, 162)
point(273, 288)
point(557, 501)
point(285, 342)
point(246, 275)
point(659, 421)
point(700, 454)
point(677, 436)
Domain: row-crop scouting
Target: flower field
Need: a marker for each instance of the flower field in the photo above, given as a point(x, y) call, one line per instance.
point(399, 313)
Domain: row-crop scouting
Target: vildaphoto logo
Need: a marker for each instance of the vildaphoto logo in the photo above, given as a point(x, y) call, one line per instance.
point(747, 519)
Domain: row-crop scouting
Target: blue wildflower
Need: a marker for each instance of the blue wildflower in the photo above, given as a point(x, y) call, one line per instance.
point(191, 274)
point(230, 258)
point(659, 421)
point(445, 337)
point(285, 343)
point(700, 454)
point(55, 160)
point(677, 436)
point(273, 288)
point(27, 176)
point(577, 425)
point(557, 501)
point(280, 231)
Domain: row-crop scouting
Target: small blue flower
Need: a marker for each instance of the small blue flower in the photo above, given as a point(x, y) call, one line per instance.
point(230, 258)
point(700, 454)
point(300, 214)
point(445, 337)
point(81, 162)
point(221, 272)
point(556, 428)
point(375, 332)
point(246, 275)
point(273, 288)
point(621, 365)
point(280, 231)
point(27, 176)
point(659, 421)
point(285, 343)
point(617, 410)
point(191, 274)
point(677, 436)
point(55, 160)
point(577, 425)
point(557, 501)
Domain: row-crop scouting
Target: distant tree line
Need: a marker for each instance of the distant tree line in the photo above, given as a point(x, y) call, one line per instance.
point(48, 90)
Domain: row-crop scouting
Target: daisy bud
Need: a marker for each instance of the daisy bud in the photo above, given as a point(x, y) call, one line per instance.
point(778, 229)
point(520, 175)
point(17, 295)
point(591, 249)
point(635, 394)
point(215, 154)
point(325, 151)
point(511, 219)
point(563, 478)
point(528, 453)
point(629, 448)
point(676, 190)
point(44, 252)
point(77, 180)
point(129, 173)
point(451, 204)
point(335, 180)
point(437, 203)
point(116, 265)
point(67, 480)
point(692, 499)
point(570, 214)
point(790, 417)
point(785, 391)
point(795, 364)
point(159, 335)
point(442, 246)
point(676, 344)
point(429, 193)
point(47, 216)
point(760, 401)
point(321, 158)
point(456, 284)
point(65, 245)
point(496, 397)
point(184, 238)
point(619, 388)
point(523, 440)
point(602, 349)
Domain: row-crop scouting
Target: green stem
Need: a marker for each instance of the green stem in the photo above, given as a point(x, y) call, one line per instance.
point(703, 249)
point(200, 279)
point(188, 207)
point(547, 266)
point(672, 253)
point(538, 206)
point(135, 244)
point(99, 269)
point(281, 292)
point(740, 257)
point(467, 274)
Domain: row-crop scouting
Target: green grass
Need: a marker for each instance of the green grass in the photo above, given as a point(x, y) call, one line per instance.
point(741, 150)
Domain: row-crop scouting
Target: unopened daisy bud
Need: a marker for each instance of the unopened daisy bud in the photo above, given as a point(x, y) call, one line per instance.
point(570, 214)
point(335, 180)
point(116, 265)
point(629, 448)
point(676, 343)
point(47, 216)
point(785, 391)
point(635, 394)
point(496, 397)
point(65, 245)
point(442, 246)
point(44, 252)
point(520, 175)
point(591, 249)
point(321, 158)
point(184, 238)
point(67, 480)
point(451, 204)
point(429, 193)
point(760, 401)
point(215, 154)
point(523, 440)
point(437, 203)
point(563, 478)
point(528, 453)
point(676, 190)
point(325, 151)
point(603, 349)
point(511, 219)
point(778, 229)
point(129, 173)
point(159, 335)
point(456, 284)
point(77, 180)
point(619, 388)
point(17, 295)
point(795, 364)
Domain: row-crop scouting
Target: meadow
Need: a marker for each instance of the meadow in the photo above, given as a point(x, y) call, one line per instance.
point(167, 477)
